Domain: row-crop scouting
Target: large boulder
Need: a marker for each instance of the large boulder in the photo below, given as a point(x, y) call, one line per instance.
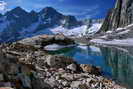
point(72, 67)
point(59, 61)
point(57, 39)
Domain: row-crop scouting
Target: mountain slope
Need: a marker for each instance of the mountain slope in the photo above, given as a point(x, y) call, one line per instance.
point(18, 24)
point(121, 15)
point(80, 31)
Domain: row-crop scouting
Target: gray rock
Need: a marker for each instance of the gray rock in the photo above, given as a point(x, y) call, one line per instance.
point(75, 84)
point(72, 67)
point(65, 83)
point(39, 84)
point(12, 68)
point(69, 77)
point(53, 82)
point(26, 82)
point(1, 77)
point(121, 15)
point(50, 61)
point(59, 61)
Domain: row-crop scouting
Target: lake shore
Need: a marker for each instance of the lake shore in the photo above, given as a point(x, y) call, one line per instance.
point(54, 71)
point(58, 72)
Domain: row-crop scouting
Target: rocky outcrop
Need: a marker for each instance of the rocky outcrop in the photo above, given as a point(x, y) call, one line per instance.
point(17, 75)
point(43, 40)
point(90, 22)
point(121, 15)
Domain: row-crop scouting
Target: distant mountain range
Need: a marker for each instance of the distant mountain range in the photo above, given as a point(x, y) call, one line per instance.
point(18, 23)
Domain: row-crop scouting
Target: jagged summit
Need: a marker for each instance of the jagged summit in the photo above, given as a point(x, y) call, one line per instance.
point(51, 14)
point(120, 16)
point(48, 10)
point(17, 10)
point(21, 23)
point(16, 13)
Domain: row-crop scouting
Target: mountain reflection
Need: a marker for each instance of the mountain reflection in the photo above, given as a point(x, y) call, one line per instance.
point(121, 62)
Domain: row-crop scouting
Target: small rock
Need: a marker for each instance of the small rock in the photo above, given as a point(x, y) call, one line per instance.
point(53, 82)
point(50, 61)
point(75, 84)
point(68, 77)
point(65, 83)
point(12, 68)
point(72, 67)
point(25, 80)
point(83, 86)
point(1, 77)
point(90, 69)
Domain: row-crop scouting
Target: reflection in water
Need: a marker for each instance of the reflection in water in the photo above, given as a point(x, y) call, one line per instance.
point(115, 62)
point(121, 62)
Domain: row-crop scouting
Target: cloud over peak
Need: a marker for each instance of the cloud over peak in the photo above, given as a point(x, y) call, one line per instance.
point(2, 6)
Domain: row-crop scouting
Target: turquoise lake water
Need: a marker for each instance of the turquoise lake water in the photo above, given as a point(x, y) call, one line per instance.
point(116, 63)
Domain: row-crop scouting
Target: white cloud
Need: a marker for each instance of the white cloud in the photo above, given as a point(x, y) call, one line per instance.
point(3, 6)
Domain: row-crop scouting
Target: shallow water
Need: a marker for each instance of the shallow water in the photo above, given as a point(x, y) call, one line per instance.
point(116, 63)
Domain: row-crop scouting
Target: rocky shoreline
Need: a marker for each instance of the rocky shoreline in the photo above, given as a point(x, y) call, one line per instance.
point(24, 66)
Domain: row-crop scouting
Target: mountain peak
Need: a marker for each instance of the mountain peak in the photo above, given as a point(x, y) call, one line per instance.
point(33, 11)
point(16, 13)
point(18, 9)
point(49, 10)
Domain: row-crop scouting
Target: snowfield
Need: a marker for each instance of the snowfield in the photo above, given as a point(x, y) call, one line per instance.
point(70, 32)
point(55, 47)
point(78, 31)
point(118, 42)
point(125, 42)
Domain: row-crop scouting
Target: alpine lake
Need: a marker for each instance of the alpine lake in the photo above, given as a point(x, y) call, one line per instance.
point(116, 62)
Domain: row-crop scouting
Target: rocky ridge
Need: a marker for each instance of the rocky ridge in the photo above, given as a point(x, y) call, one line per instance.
point(30, 67)
point(18, 24)
point(120, 16)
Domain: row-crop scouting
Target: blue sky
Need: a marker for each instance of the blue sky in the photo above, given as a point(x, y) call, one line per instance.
point(78, 8)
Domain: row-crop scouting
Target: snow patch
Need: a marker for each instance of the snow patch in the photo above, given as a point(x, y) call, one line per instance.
point(95, 49)
point(123, 32)
point(78, 31)
point(124, 42)
point(55, 47)
point(82, 47)
point(94, 28)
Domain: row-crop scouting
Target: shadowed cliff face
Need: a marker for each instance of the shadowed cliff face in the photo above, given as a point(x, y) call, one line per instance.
point(121, 15)
point(121, 62)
